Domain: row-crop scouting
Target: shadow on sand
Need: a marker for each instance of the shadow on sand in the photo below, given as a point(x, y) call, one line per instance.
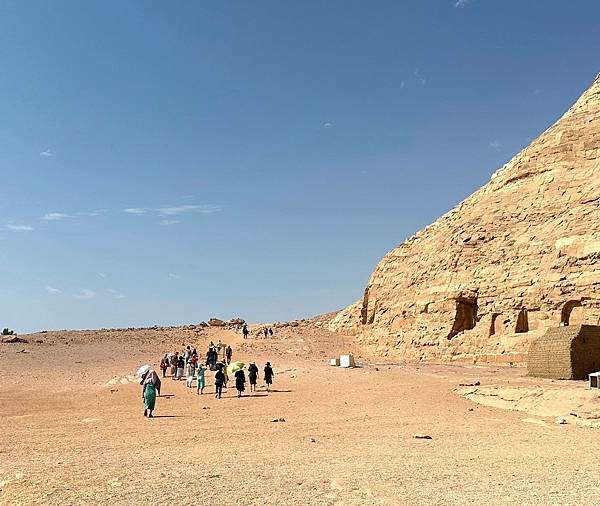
point(245, 396)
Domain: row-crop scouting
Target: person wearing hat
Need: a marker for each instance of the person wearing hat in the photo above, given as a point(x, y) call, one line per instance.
point(240, 380)
point(269, 375)
point(252, 376)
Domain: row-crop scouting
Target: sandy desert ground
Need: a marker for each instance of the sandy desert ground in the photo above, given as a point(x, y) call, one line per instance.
point(72, 430)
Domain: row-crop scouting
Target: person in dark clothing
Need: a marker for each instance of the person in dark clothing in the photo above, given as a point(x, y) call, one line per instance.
point(266, 331)
point(245, 331)
point(228, 353)
point(270, 332)
point(252, 376)
point(164, 365)
point(180, 367)
point(240, 380)
point(219, 380)
point(269, 375)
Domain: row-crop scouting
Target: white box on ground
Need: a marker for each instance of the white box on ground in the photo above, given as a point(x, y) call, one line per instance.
point(334, 361)
point(347, 361)
point(594, 379)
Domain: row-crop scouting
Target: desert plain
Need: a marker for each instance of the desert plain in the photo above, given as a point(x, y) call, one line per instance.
point(72, 430)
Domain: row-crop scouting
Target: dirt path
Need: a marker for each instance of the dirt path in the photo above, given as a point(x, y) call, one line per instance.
point(69, 438)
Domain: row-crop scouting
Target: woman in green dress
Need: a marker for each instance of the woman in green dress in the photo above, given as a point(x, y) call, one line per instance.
point(200, 383)
point(150, 388)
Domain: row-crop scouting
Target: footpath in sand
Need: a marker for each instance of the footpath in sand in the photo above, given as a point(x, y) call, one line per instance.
point(72, 430)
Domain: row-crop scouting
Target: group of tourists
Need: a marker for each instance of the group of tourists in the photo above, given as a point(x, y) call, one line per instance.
point(188, 364)
point(240, 378)
point(267, 331)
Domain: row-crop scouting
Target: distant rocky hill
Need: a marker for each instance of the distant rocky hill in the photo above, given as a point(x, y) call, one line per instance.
point(519, 255)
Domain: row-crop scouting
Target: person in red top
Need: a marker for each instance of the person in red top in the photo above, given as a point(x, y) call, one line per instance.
point(164, 365)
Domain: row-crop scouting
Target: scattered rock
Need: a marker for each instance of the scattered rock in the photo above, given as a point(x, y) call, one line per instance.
point(216, 322)
point(15, 339)
point(278, 420)
point(560, 420)
point(422, 436)
point(312, 440)
point(476, 384)
point(40, 341)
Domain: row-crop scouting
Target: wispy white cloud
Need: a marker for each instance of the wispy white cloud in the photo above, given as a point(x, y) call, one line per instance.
point(19, 228)
point(495, 144)
point(402, 84)
point(95, 212)
point(53, 291)
point(138, 211)
point(419, 77)
point(46, 152)
point(116, 293)
point(178, 210)
point(55, 216)
point(102, 274)
point(174, 276)
point(85, 294)
point(462, 3)
point(166, 223)
point(328, 124)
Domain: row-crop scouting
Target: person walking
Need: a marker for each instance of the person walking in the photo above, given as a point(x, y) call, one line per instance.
point(180, 367)
point(245, 331)
point(228, 354)
point(240, 381)
point(164, 365)
point(266, 331)
point(191, 372)
point(270, 332)
point(150, 387)
point(223, 367)
point(269, 375)
point(173, 362)
point(219, 379)
point(252, 376)
point(200, 379)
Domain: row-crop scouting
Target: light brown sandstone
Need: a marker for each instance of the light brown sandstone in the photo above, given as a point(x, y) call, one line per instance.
point(516, 257)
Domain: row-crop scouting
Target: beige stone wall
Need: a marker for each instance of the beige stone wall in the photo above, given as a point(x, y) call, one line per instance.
point(570, 352)
point(497, 270)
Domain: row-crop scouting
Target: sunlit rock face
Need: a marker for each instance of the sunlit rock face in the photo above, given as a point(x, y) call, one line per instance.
point(519, 255)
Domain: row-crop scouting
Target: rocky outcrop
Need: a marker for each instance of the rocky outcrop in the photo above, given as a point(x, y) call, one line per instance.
point(516, 257)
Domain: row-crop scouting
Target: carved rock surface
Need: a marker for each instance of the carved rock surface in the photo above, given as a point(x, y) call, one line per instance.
point(519, 255)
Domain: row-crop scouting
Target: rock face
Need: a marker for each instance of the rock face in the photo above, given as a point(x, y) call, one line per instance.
point(518, 256)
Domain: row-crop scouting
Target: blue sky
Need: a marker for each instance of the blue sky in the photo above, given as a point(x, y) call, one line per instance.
point(163, 162)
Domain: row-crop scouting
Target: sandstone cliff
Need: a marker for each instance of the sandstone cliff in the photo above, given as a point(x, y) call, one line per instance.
point(518, 256)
